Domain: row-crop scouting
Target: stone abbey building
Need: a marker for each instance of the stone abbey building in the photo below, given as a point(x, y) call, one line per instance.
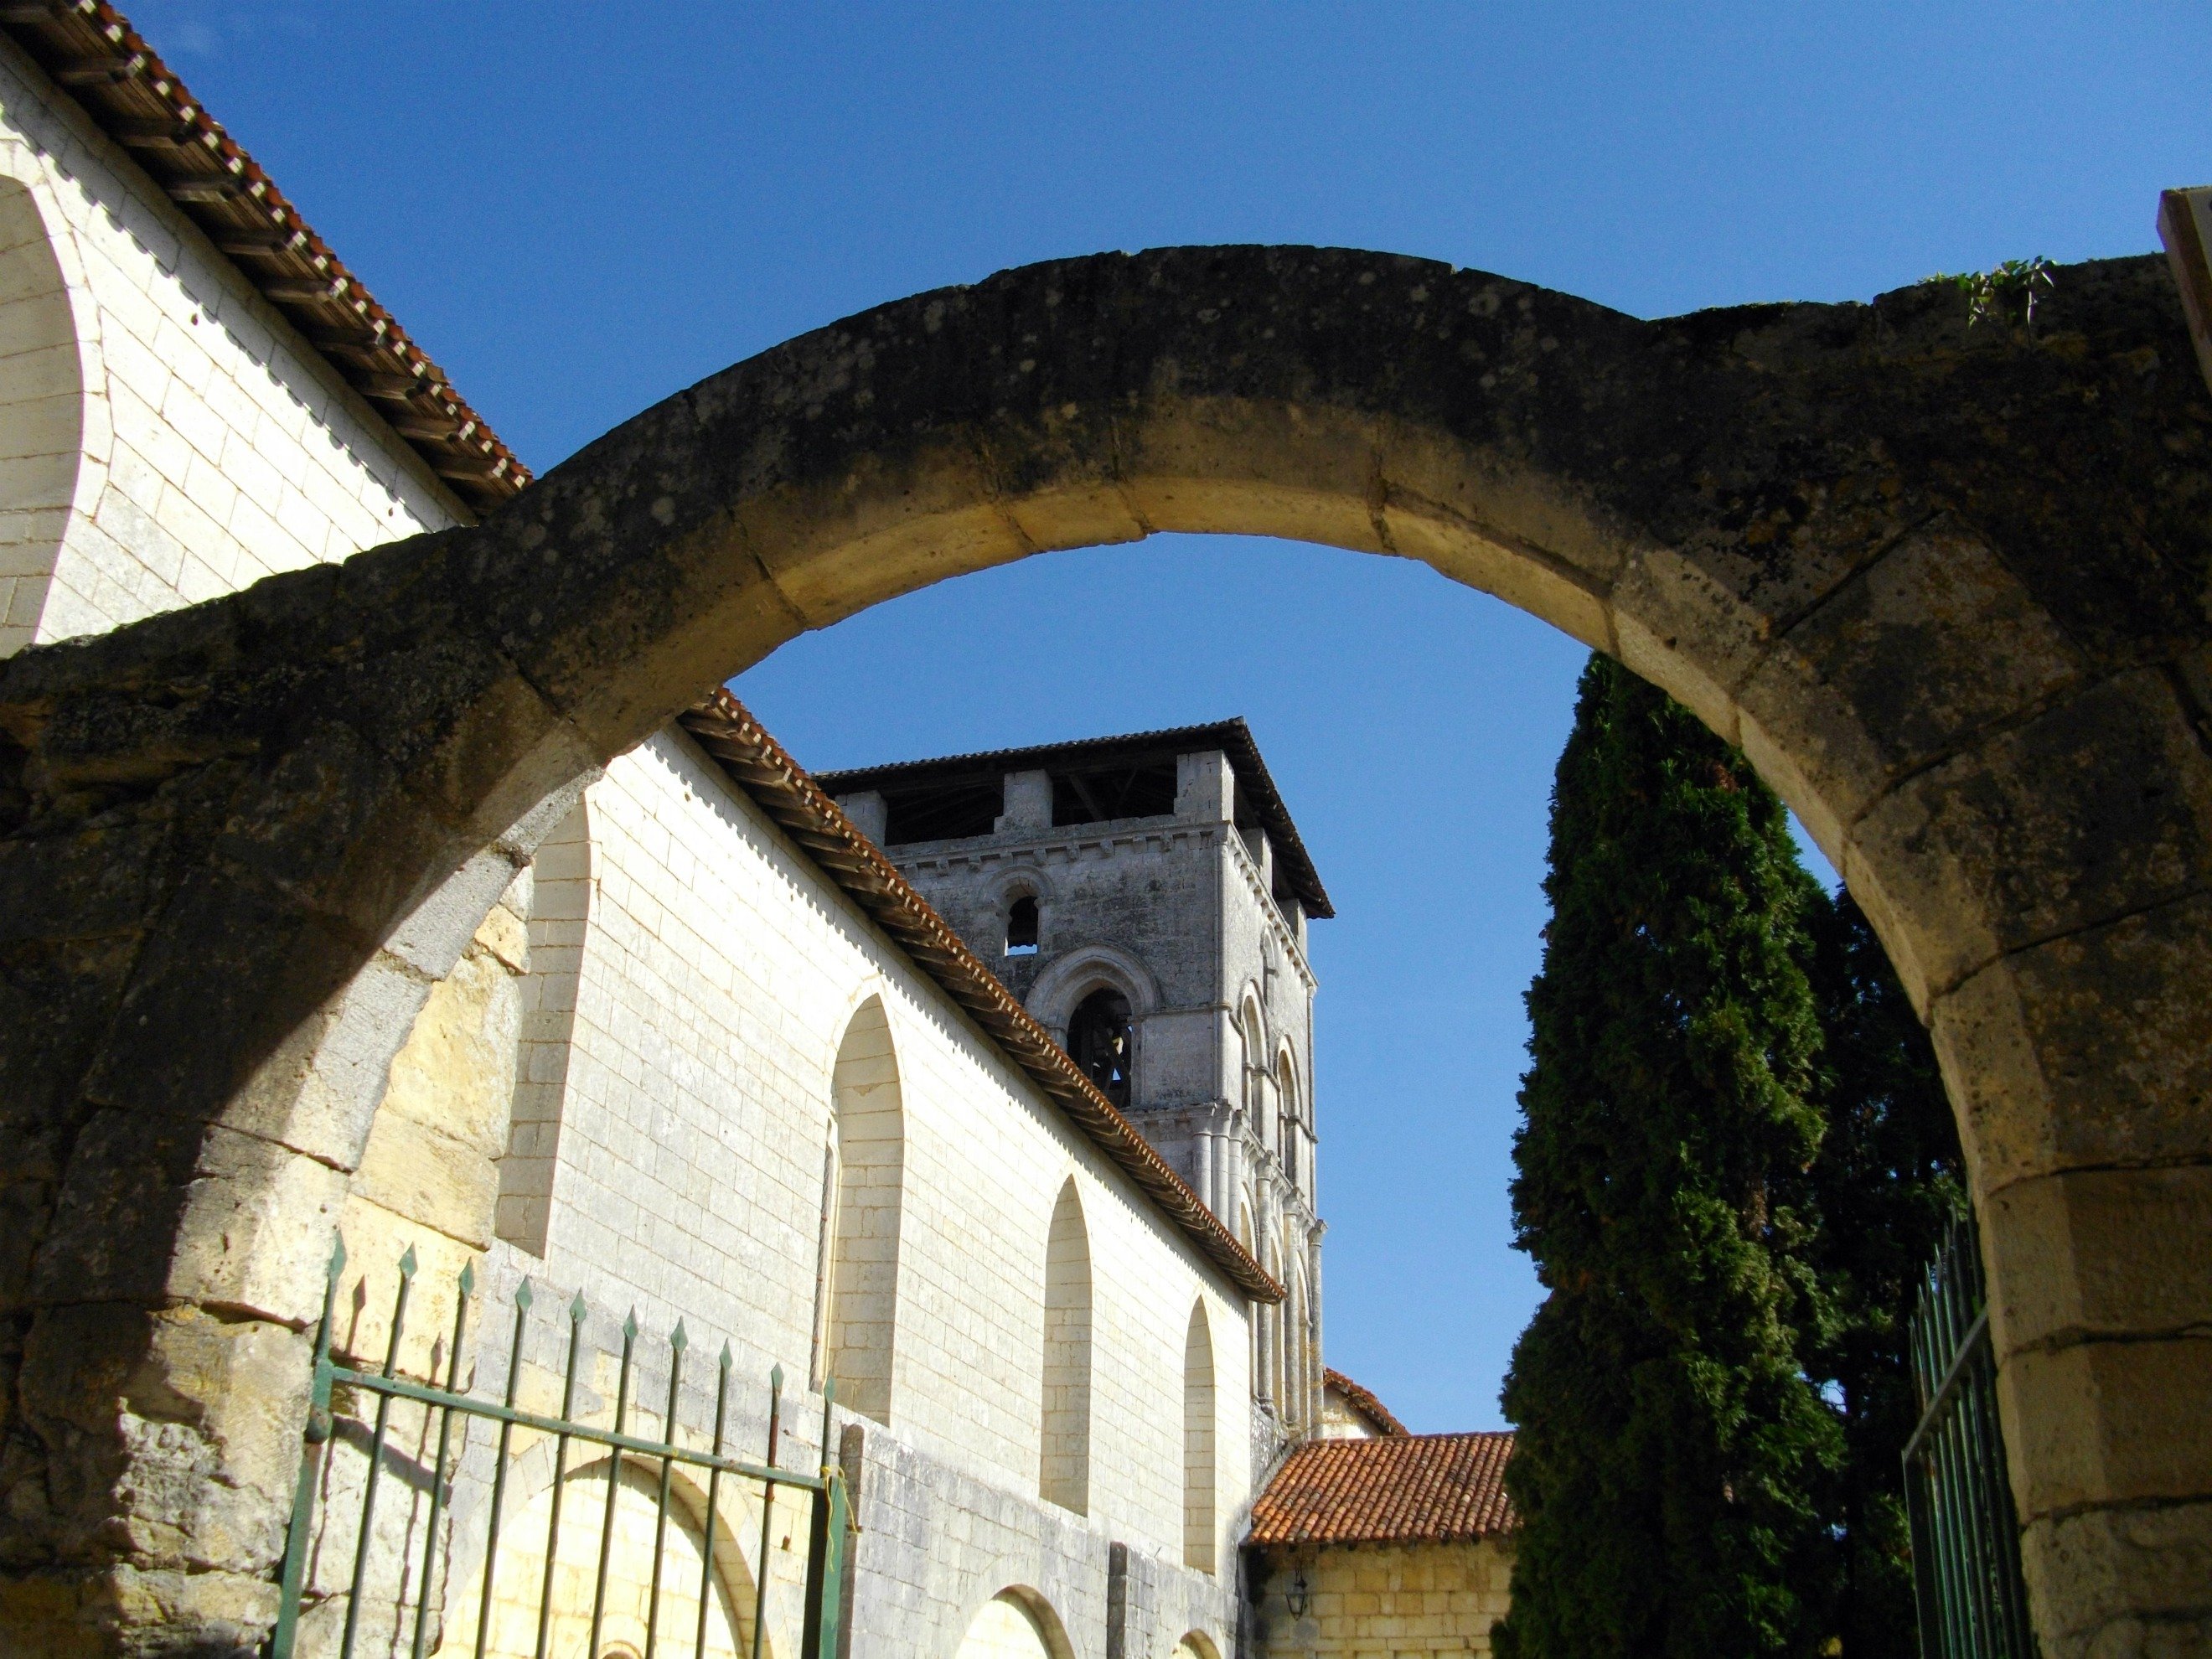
point(710, 1060)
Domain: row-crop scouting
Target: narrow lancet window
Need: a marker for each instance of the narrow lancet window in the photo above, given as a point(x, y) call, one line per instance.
point(1022, 927)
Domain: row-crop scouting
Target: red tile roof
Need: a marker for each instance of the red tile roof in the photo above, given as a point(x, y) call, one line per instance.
point(1397, 1489)
point(93, 54)
point(1363, 1401)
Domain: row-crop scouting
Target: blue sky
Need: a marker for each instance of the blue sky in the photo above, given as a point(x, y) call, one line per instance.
point(581, 208)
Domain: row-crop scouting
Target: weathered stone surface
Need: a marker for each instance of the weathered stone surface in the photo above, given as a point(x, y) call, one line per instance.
point(1997, 727)
point(2097, 808)
point(2091, 1253)
point(2125, 1582)
point(2101, 1423)
point(1931, 644)
point(456, 1074)
point(2085, 1051)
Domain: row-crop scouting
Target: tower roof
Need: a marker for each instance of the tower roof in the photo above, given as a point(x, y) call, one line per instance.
point(1258, 801)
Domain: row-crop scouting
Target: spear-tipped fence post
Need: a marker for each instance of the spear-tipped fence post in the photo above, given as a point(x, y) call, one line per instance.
point(522, 1301)
point(677, 1341)
point(713, 1496)
point(576, 1311)
point(376, 1458)
point(767, 1507)
point(465, 1285)
point(315, 1439)
point(614, 1479)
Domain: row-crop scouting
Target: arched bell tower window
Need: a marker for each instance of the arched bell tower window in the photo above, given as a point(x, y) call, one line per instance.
point(1100, 1041)
point(1022, 926)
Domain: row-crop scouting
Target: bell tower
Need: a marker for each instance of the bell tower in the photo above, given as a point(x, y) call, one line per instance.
point(1148, 898)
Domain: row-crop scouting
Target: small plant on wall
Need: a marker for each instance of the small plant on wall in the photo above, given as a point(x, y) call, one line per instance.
point(2005, 293)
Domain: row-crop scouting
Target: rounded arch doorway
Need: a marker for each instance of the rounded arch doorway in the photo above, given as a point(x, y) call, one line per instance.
point(1017, 1623)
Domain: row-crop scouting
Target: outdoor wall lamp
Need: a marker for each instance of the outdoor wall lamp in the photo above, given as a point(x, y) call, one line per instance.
point(1298, 1600)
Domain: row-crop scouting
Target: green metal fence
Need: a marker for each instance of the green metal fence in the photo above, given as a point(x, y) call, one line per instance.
point(410, 1574)
point(1966, 1538)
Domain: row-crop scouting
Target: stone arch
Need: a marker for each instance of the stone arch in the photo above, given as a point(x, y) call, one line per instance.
point(560, 915)
point(1297, 1345)
point(1289, 1098)
point(863, 1194)
point(43, 377)
point(1075, 975)
point(519, 1566)
point(1064, 1432)
point(1017, 1623)
point(1943, 588)
point(1200, 1536)
point(1195, 1645)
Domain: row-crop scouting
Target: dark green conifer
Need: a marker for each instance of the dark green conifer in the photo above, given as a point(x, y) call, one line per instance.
point(1886, 1184)
point(1673, 1455)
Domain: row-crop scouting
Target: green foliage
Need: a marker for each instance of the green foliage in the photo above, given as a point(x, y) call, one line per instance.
point(1885, 1184)
point(2005, 293)
point(1673, 1456)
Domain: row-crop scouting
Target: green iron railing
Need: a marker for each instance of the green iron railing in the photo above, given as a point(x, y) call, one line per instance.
point(1966, 1538)
point(375, 1571)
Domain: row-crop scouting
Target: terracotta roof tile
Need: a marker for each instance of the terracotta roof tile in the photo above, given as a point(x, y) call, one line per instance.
point(1363, 1401)
point(1398, 1489)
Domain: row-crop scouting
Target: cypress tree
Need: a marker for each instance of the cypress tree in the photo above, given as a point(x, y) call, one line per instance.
point(1886, 1184)
point(1672, 1455)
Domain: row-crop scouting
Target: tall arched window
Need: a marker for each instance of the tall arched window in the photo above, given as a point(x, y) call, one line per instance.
point(1253, 1039)
point(1100, 1040)
point(1290, 1142)
point(1064, 1466)
point(858, 1289)
point(560, 911)
point(1198, 1543)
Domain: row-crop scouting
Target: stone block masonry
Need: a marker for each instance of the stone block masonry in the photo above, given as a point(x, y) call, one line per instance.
point(166, 436)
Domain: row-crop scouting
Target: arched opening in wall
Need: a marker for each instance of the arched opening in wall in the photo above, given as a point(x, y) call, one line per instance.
point(863, 1184)
point(638, 1544)
point(1022, 926)
point(1195, 1645)
point(1017, 1623)
point(1064, 1441)
point(559, 917)
point(41, 415)
point(1290, 1133)
point(1296, 1311)
point(1101, 1040)
point(1252, 1045)
point(1336, 433)
point(1200, 1543)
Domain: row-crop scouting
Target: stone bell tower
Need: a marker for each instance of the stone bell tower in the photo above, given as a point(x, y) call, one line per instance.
point(1147, 897)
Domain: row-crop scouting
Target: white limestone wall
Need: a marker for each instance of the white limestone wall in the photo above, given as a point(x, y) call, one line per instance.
point(718, 973)
point(213, 446)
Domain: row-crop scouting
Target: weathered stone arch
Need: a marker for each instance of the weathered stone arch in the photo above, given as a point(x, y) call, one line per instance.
point(1947, 588)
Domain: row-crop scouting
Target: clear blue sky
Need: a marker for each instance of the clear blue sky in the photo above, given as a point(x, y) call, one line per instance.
point(581, 208)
